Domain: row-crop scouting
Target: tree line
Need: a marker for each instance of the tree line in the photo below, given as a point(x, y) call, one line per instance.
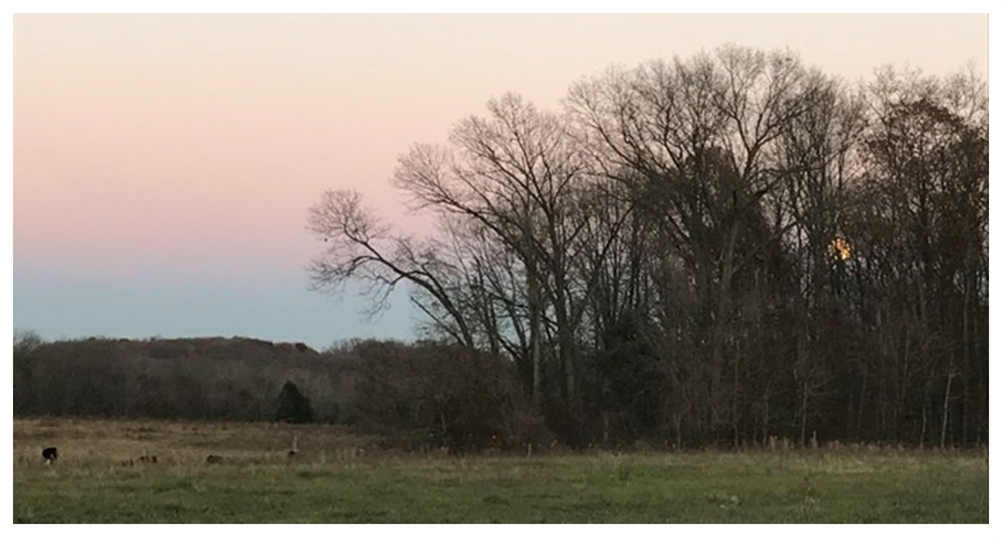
point(237, 379)
point(717, 250)
point(412, 396)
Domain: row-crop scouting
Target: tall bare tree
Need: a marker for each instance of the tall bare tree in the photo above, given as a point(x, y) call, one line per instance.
point(723, 248)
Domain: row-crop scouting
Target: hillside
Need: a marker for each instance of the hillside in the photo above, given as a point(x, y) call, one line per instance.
point(198, 378)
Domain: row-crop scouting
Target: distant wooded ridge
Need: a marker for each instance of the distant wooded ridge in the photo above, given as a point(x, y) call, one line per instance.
point(420, 395)
point(197, 378)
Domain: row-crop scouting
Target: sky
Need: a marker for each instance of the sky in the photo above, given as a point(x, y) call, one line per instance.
point(164, 164)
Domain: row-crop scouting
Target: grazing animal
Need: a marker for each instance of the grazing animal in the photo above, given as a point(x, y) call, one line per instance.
point(214, 459)
point(50, 454)
point(151, 459)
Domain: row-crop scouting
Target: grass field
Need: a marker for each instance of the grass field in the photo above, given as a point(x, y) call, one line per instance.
point(338, 479)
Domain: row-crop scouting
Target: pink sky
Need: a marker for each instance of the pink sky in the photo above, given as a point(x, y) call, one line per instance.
point(189, 147)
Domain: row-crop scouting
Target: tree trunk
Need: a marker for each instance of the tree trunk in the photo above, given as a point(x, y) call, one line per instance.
point(803, 417)
point(946, 407)
point(535, 331)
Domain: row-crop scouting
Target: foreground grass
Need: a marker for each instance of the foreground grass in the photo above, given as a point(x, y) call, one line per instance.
point(336, 482)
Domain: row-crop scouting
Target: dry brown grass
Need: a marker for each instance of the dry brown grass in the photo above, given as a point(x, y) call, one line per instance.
point(85, 442)
point(342, 477)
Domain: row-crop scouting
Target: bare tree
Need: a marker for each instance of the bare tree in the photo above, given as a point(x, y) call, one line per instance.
point(722, 248)
point(361, 247)
point(519, 177)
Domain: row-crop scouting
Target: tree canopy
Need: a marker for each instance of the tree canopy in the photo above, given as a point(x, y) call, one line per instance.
point(715, 249)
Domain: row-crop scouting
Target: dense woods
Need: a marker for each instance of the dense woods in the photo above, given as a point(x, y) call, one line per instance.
point(710, 250)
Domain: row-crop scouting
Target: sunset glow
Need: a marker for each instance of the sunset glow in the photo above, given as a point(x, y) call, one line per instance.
point(840, 249)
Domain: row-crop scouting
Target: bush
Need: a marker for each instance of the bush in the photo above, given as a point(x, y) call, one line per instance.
point(434, 395)
point(293, 407)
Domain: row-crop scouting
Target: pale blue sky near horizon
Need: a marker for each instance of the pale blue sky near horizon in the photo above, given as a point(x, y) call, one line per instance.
point(283, 311)
point(164, 164)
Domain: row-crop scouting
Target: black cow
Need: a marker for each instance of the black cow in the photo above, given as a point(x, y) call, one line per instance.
point(50, 454)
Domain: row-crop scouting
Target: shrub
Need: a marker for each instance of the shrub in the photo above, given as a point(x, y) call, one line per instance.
point(436, 395)
point(293, 407)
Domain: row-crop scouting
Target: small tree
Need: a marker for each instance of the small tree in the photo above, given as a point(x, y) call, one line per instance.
point(293, 407)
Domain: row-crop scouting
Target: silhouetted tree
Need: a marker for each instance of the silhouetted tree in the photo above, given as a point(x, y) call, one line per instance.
point(719, 249)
